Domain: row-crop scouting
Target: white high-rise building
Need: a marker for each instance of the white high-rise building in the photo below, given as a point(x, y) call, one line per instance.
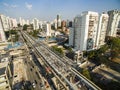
point(55, 23)
point(5, 22)
point(85, 31)
point(59, 23)
point(47, 29)
point(35, 24)
point(71, 36)
point(7, 25)
point(2, 34)
point(14, 22)
point(40, 24)
point(88, 31)
point(102, 28)
point(22, 21)
point(114, 18)
point(28, 22)
point(10, 23)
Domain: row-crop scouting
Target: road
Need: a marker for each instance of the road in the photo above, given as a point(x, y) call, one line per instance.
point(32, 71)
point(60, 66)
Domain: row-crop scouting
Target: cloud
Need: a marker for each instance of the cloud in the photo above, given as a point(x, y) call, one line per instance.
point(10, 6)
point(5, 4)
point(28, 6)
point(14, 6)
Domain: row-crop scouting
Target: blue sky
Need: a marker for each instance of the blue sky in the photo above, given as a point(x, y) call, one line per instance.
point(48, 9)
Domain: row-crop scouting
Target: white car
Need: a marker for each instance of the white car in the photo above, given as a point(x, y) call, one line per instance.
point(33, 84)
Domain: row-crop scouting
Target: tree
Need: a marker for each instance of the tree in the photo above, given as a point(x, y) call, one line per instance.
point(86, 73)
point(13, 34)
point(16, 37)
point(104, 60)
point(7, 33)
point(56, 49)
point(114, 45)
point(25, 27)
point(103, 49)
point(91, 54)
point(18, 25)
point(31, 25)
point(114, 54)
point(35, 33)
point(53, 27)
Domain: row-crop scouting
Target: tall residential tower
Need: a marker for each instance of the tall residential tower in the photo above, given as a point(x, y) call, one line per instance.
point(85, 27)
point(2, 33)
point(58, 21)
point(101, 31)
point(114, 18)
point(88, 31)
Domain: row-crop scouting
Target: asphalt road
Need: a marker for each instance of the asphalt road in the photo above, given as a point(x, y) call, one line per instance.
point(32, 74)
point(57, 63)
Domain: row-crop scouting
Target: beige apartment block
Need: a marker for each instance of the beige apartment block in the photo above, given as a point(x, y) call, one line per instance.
point(19, 71)
point(5, 76)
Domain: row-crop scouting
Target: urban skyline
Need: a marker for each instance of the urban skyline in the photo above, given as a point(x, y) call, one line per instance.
point(48, 9)
point(59, 45)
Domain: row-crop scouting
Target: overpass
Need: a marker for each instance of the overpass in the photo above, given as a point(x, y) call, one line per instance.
point(62, 68)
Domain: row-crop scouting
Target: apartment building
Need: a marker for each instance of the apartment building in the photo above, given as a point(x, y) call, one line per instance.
point(2, 34)
point(114, 18)
point(46, 28)
point(5, 76)
point(89, 31)
point(58, 21)
point(101, 31)
point(36, 24)
point(71, 36)
point(85, 26)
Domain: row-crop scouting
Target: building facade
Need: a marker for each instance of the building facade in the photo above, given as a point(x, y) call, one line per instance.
point(71, 36)
point(114, 18)
point(101, 31)
point(35, 24)
point(58, 21)
point(14, 23)
point(2, 33)
point(5, 76)
point(89, 31)
point(22, 21)
point(46, 28)
point(5, 22)
point(85, 27)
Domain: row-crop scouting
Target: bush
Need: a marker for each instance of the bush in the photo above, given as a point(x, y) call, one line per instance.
point(86, 73)
point(59, 50)
point(25, 27)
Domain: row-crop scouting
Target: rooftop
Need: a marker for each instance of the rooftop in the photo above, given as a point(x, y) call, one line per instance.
point(4, 64)
point(2, 71)
point(3, 67)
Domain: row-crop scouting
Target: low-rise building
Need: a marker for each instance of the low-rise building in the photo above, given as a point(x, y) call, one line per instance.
point(19, 71)
point(16, 52)
point(5, 76)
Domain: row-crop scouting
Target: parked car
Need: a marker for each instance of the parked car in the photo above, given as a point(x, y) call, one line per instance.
point(33, 84)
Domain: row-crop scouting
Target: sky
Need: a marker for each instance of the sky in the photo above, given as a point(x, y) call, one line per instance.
point(48, 9)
